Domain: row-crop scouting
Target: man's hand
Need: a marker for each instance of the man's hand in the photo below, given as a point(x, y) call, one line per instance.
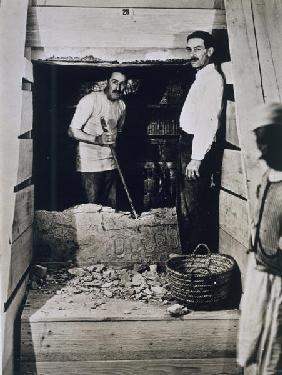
point(105, 139)
point(192, 169)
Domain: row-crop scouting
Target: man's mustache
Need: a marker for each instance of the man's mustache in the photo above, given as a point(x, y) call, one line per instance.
point(194, 59)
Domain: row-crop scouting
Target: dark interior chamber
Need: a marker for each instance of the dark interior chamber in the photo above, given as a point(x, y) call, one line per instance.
point(147, 148)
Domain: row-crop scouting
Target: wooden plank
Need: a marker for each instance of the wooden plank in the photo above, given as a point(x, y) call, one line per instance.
point(21, 255)
point(26, 118)
point(13, 18)
point(226, 68)
point(231, 125)
point(119, 54)
point(209, 366)
point(233, 217)
point(25, 160)
point(273, 14)
point(268, 66)
point(232, 177)
point(79, 341)
point(24, 211)
point(166, 28)
point(230, 246)
point(251, 370)
point(28, 70)
point(54, 307)
point(205, 4)
point(247, 85)
point(10, 330)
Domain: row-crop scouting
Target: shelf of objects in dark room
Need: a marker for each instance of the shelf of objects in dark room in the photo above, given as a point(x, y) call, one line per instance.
point(162, 134)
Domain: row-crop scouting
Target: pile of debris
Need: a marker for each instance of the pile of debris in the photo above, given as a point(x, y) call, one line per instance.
point(142, 283)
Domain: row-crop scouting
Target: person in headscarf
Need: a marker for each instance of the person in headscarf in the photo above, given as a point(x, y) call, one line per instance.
point(260, 328)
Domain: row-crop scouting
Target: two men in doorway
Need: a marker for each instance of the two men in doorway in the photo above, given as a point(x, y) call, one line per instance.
point(199, 121)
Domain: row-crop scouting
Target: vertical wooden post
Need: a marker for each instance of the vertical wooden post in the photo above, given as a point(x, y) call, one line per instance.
point(15, 168)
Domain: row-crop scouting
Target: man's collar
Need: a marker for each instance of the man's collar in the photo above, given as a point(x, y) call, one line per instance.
point(274, 176)
point(205, 69)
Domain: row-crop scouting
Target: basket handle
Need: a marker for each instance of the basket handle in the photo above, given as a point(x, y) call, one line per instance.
point(202, 245)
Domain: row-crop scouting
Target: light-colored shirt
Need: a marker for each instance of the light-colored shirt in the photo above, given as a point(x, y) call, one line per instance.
point(87, 117)
point(201, 110)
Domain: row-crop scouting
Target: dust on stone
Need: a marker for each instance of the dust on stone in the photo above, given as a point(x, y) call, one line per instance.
point(143, 282)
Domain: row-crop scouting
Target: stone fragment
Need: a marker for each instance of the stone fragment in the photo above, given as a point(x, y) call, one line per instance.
point(140, 267)
point(88, 278)
point(107, 285)
point(157, 290)
point(100, 268)
point(34, 285)
point(108, 293)
point(77, 291)
point(39, 271)
point(177, 310)
point(137, 279)
point(77, 271)
point(153, 267)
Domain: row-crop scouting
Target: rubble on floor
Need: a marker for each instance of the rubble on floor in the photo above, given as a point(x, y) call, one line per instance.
point(143, 282)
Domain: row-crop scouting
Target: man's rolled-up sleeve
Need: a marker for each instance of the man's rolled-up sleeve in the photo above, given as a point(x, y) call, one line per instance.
point(82, 113)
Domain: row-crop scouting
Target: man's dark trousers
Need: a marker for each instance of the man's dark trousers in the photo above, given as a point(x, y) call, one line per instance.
point(197, 200)
point(100, 187)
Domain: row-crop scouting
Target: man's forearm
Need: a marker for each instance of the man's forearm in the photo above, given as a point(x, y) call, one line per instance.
point(81, 136)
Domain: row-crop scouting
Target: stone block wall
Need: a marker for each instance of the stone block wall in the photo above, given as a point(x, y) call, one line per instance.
point(89, 233)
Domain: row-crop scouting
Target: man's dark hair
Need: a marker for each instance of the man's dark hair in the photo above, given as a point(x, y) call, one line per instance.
point(207, 38)
point(270, 136)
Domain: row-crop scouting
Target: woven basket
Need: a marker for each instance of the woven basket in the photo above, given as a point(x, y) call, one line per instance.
point(201, 280)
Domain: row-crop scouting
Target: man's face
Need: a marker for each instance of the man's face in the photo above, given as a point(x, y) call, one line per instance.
point(198, 54)
point(116, 85)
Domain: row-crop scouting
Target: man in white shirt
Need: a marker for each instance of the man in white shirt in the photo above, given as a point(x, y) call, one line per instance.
point(94, 159)
point(199, 121)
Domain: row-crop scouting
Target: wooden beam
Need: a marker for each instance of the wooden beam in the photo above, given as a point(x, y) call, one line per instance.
point(209, 366)
point(25, 160)
point(226, 68)
point(24, 211)
point(273, 14)
point(247, 85)
point(10, 330)
point(109, 27)
point(55, 308)
point(231, 246)
point(184, 4)
point(13, 18)
point(79, 341)
point(21, 255)
point(233, 217)
point(232, 177)
point(231, 124)
point(77, 55)
point(269, 52)
point(28, 70)
point(27, 112)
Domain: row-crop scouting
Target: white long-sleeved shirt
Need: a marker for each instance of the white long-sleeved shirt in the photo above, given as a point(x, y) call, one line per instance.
point(87, 117)
point(201, 110)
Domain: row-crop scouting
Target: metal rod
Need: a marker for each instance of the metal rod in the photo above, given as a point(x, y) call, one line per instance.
point(113, 151)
